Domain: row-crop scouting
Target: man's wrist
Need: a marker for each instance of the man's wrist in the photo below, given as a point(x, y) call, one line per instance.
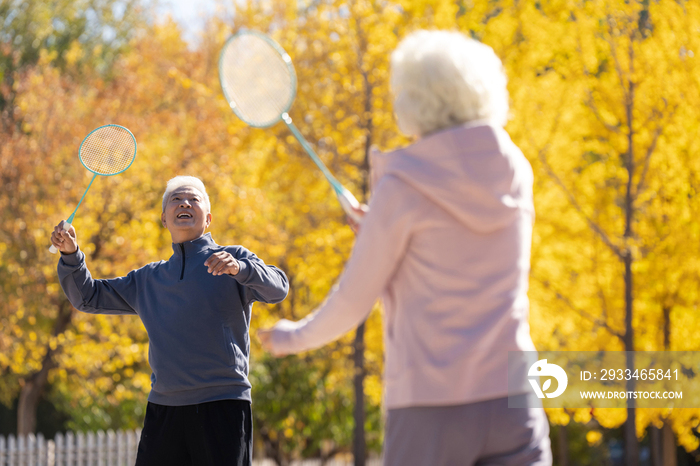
point(73, 258)
point(238, 268)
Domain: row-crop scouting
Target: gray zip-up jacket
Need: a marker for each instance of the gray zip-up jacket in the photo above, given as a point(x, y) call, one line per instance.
point(197, 323)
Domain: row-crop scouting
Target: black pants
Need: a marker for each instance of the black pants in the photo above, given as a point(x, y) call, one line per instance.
point(219, 433)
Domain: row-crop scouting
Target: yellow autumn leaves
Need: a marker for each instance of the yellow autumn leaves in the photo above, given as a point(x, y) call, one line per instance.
point(594, 85)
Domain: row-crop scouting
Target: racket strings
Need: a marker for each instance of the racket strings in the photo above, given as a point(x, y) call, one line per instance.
point(268, 99)
point(108, 150)
point(258, 79)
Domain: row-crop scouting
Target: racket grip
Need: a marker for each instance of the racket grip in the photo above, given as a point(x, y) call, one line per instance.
point(53, 249)
point(349, 204)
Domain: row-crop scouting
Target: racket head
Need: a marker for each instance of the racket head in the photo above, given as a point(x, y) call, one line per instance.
point(108, 150)
point(257, 77)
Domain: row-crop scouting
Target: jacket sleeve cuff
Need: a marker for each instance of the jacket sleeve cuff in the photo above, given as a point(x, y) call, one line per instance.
point(243, 270)
point(74, 259)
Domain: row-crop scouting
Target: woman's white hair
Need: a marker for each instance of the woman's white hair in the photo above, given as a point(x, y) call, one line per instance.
point(190, 181)
point(442, 79)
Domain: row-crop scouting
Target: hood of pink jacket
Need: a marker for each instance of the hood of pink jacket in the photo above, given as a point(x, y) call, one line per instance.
point(474, 172)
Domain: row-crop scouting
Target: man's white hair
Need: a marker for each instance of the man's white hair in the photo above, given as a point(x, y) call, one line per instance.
point(190, 181)
point(442, 79)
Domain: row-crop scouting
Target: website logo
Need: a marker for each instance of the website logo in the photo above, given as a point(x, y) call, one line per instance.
point(542, 369)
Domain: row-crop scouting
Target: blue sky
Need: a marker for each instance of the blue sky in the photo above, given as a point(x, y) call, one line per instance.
point(189, 13)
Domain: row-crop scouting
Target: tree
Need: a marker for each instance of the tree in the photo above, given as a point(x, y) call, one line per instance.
point(606, 149)
point(602, 94)
point(96, 365)
point(338, 114)
point(92, 32)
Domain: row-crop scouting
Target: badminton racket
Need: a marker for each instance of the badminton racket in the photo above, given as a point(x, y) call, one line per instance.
point(259, 83)
point(106, 151)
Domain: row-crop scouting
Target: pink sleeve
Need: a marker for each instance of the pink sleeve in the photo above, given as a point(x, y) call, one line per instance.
point(379, 248)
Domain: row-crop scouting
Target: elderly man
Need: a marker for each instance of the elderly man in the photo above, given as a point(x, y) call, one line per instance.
point(196, 308)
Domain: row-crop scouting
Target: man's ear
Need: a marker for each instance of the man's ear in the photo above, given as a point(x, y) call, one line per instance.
point(209, 217)
point(162, 218)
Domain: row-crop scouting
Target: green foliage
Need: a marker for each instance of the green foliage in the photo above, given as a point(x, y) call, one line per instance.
point(75, 35)
point(299, 409)
point(100, 27)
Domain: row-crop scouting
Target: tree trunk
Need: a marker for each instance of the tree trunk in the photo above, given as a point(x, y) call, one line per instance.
point(32, 389)
point(33, 385)
point(667, 328)
point(359, 447)
point(655, 446)
point(668, 440)
point(563, 446)
point(666, 454)
point(358, 442)
point(631, 442)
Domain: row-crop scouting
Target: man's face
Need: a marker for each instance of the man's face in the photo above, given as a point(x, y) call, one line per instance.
point(185, 214)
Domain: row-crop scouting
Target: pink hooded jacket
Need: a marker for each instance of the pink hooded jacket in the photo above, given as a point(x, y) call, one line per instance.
point(446, 243)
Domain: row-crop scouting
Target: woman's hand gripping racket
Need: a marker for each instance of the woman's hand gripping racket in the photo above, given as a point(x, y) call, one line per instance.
point(107, 150)
point(259, 83)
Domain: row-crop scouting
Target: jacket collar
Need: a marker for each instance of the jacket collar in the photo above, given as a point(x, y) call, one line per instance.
point(196, 245)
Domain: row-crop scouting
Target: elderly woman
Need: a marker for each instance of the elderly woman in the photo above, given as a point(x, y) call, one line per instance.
point(446, 243)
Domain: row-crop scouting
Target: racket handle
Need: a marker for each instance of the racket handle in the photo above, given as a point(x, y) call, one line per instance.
point(53, 249)
point(349, 204)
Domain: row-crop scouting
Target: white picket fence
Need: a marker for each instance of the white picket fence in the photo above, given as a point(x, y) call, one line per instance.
point(92, 449)
point(97, 449)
